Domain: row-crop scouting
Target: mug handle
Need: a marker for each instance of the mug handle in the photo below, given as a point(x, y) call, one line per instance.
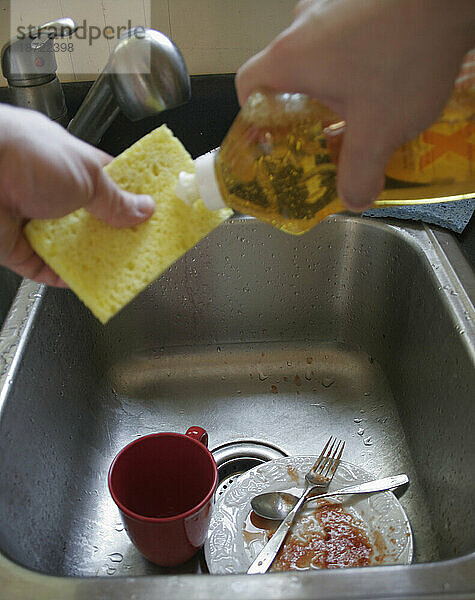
point(199, 434)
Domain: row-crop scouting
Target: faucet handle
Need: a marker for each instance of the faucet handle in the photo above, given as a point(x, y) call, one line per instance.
point(59, 28)
point(29, 58)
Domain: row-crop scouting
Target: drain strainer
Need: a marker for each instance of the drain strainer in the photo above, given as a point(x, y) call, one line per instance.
point(235, 458)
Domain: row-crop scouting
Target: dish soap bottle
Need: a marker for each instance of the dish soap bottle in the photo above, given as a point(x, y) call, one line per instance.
point(278, 162)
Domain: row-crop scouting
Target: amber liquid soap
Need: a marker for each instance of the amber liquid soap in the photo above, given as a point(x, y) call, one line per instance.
point(276, 165)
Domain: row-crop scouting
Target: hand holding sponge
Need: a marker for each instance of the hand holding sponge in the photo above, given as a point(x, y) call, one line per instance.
point(107, 267)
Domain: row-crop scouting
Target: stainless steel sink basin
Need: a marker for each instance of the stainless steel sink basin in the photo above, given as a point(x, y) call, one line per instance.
point(255, 335)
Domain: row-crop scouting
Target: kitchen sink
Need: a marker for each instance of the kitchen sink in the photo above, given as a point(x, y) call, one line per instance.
point(361, 328)
point(255, 335)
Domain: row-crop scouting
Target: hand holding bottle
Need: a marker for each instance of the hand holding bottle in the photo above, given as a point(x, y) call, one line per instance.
point(387, 68)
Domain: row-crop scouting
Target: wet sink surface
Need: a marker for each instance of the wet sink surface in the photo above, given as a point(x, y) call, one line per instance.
point(258, 335)
point(290, 394)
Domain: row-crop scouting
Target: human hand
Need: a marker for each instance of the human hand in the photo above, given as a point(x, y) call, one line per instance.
point(387, 67)
point(46, 173)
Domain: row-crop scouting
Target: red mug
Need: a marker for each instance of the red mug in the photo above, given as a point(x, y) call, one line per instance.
point(163, 485)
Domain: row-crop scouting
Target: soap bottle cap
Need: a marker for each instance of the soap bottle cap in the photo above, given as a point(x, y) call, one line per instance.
point(207, 182)
point(201, 184)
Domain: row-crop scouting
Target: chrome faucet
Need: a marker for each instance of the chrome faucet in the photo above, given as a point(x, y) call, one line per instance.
point(145, 74)
point(29, 65)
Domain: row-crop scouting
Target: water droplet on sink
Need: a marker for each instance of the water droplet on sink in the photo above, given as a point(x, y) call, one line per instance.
point(367, 393)
point(111, 570)
point(119, 527)
point(34, 295)
point(116, 557)
point(263, 377)
point(327, 382)
point(218, 349)
point(318, 405)
point(368, 441)
point(360, 431)
point(357, 420)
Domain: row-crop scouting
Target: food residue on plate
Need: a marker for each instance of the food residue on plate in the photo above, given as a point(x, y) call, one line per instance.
point(293, 474)
point(327, 537)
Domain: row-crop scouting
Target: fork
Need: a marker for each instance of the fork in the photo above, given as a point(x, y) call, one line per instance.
point(319, 477)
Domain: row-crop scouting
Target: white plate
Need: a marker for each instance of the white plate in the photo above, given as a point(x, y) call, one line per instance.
point(381, 516)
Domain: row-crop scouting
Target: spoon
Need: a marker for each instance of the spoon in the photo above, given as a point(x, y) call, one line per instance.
point(277, 505)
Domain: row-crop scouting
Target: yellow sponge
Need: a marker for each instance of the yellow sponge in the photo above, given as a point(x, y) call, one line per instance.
point(107, 267)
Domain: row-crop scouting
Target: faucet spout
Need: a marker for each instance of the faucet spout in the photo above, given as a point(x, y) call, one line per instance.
point(144, 75)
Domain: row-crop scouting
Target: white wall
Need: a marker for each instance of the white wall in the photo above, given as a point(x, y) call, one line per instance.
point(214, 36)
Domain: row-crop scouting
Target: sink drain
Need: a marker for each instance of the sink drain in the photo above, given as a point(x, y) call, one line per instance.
point(235, 458)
